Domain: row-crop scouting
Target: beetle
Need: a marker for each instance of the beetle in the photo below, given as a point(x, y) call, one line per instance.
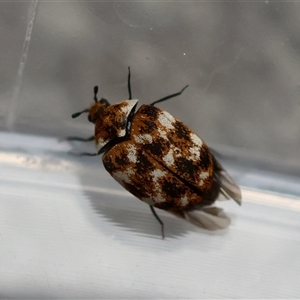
point(160, 160)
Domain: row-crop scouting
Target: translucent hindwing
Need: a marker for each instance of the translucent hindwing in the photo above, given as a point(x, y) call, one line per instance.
point(113, 122)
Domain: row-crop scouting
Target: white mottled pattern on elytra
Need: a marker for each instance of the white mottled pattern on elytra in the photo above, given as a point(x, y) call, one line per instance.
point(203, 176)
point(122, 133)
point(159, 198)
point(156, 174)
point(166, 120)
point(123, 176)
point(169, 158)
point(196, 140)
point(194, 153)
point(184, 201)
point(99, 144)
point(162, 133)
point(142, 138)
point(177, 152)
point(132, 154)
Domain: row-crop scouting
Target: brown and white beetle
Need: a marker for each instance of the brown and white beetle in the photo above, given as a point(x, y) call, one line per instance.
point(160, 160)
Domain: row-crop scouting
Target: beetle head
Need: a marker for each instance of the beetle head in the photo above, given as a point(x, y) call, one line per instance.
point(95, 109)
point(111, 121)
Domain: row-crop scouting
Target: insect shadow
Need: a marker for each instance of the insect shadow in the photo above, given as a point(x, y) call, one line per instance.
point(123, 210)
point(118, 207)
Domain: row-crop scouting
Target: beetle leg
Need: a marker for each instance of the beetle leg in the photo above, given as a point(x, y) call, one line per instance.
point(84, 153)
point(128, 84)
point(168, 97)
point(159, 220)
point(88, 154)
point(80, 112)
point(75, 138)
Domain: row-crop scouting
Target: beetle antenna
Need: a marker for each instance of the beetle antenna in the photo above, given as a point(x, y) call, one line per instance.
point(159, 220)
point(168, 97)
point(128, 84)
point(80, 112)
point(95, 93)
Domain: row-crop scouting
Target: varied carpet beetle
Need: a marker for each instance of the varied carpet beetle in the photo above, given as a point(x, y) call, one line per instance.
point(160, 160)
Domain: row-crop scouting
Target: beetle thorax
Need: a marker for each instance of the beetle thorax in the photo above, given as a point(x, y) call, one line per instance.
point(111, 123)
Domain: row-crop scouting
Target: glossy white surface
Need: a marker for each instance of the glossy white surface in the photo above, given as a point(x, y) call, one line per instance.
point(69, 231)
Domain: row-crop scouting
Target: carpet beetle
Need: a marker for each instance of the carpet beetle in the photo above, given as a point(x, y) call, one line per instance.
point(160, 160)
